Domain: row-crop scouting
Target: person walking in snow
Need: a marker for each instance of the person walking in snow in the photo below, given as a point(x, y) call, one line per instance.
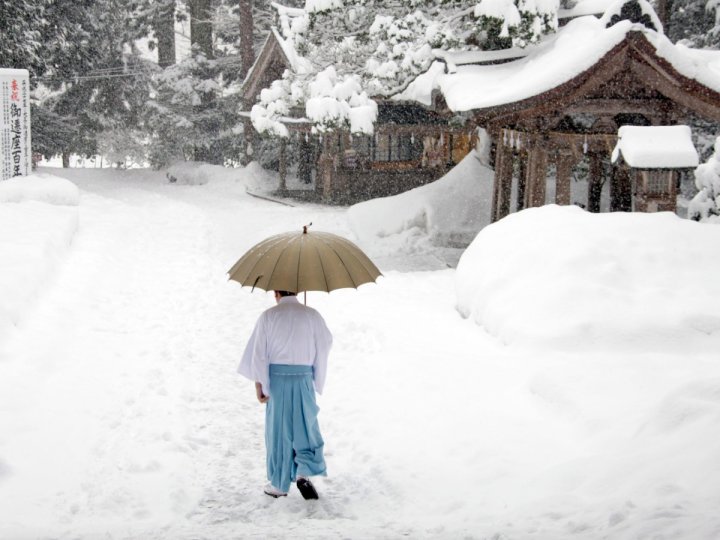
point(287, 357)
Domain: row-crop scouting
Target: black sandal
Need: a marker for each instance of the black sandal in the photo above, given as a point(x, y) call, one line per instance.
point(307, 490)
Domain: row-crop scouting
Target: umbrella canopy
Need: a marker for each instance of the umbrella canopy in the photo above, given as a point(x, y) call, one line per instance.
point(304, 261)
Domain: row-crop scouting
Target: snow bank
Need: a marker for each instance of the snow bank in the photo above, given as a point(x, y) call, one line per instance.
point(449, 211)
point(195, 173)
point(38, 219)
point(569, 279)
point(39, 187)
point(190, 173)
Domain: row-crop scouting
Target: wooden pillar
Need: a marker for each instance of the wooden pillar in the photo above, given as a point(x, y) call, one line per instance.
point(305, 159)
point(326, 170)
point(496, 184)
point(503, 182)
point(536, 177)
point(283, 165)
point(564, 165)
point(248, 136)
point(620, 190)
point(529, 172)
point(540, 178)
point(506, 182)
point(595, 182)
point(674, 182)
point(522, 180)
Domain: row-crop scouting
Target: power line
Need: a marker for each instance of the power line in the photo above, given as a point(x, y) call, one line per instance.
point(138, 71)
point(94, 77)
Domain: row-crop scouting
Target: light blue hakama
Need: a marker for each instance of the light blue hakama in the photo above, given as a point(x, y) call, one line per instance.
point(292, 433)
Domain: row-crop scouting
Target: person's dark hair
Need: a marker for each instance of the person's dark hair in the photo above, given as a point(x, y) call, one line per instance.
point(286, 293)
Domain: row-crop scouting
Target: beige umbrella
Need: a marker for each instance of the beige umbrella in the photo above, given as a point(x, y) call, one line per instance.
point(304, 261)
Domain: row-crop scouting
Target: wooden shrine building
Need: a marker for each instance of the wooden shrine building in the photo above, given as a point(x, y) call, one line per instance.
point(412, 144)
point(619, 70)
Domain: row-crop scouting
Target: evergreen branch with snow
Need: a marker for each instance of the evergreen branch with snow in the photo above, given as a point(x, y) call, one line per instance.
point(351, 51)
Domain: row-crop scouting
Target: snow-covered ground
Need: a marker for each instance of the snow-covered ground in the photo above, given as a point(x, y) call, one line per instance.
point(121, 415)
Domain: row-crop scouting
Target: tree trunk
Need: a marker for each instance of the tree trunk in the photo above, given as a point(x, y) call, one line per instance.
point(201, 42)
point(663, 13)
point(66, 160)
point(247, 53)
point(247, 57)
point(164, 26)
point(201, 27)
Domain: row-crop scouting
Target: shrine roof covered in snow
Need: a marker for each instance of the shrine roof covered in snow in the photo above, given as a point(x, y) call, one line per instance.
point(570, 97)
point(564, 63)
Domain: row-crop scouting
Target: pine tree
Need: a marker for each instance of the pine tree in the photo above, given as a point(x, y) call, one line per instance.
point(108, 97)
point(706, 204)
point(695, 22)
point(21, 27)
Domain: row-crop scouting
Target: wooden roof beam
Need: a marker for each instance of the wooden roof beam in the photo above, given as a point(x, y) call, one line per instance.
point(671, 88)
point(611, 107)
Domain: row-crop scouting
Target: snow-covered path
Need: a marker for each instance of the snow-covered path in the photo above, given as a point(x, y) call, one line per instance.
point(123, 417)
point(133, 380)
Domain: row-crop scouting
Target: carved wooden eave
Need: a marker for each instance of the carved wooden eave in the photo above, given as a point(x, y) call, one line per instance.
point(636, 59)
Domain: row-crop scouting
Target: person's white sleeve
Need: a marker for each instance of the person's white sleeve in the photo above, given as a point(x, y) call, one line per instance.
point(323, 342)
point(254, 363)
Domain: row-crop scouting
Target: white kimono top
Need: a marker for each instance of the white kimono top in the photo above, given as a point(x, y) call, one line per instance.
point(288, 333)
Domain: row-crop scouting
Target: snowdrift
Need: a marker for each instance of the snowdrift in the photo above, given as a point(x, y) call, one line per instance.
point(570, 279)
point(449, 211)
point(40, 187)
point(196, 173)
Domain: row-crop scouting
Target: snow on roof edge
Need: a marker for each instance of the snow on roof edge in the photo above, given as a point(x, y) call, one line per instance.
point(289, 51)
point(252, 68)
point(577, 47)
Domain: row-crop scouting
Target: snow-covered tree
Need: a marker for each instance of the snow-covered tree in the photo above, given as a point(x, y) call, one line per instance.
point(111, 91)
point(50, 38)
point(349, 52)
point(706, 204)
point(695, 22)
point(180, 119)
point(21, 27)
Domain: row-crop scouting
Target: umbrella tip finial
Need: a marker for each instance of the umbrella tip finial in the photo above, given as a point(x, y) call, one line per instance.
point(305, 227)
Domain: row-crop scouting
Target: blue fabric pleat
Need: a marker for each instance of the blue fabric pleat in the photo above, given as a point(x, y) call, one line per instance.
point(292, 433)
